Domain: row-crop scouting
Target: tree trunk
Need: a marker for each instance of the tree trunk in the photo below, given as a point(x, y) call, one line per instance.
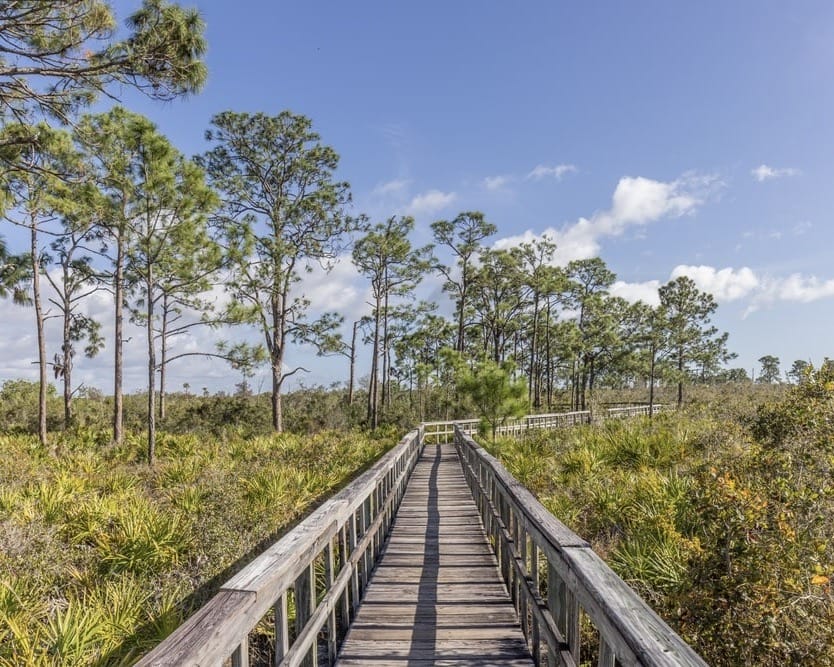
point(163, 356)
point(276, 350)
point(651, 382)
point(386, 380)
point(277, 408)
point(373, 403)
point(66, 355)
point(118, 342)
point(36, 297)
point(352, 364)
point(680, 377)
point(548, 361)
point(533, 394)
point(461, 341)
point(151, 371)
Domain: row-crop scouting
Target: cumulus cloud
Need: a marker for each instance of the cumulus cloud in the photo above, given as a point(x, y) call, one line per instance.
point(496, 182)
point(637, 201)
point(541, 171)
point(726, 284)
point(633, 292)
point(339, 289)
point(796, 287)
point(390, 187)
point(766, 173)
point(430, 202)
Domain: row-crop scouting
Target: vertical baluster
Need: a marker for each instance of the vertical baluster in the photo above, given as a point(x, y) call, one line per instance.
point(240, 657)
point(565, 610)
point(305, 605)
point(534, 572)
point(282, 631)
point(366, 559)
point(354, 579)
point(344, 599)
point(525, 622)
point(329, 575)
point(506, 563)
point(606, 654)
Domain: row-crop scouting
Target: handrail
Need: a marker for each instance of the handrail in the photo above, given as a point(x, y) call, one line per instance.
point(553, 575)
point(344, 535)
point(437, 432)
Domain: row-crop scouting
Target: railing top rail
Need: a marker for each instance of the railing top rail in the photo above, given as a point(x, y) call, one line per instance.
point(629, 625)
point(541, 416)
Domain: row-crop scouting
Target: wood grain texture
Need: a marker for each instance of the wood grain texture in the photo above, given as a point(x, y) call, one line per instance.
point(436, 597)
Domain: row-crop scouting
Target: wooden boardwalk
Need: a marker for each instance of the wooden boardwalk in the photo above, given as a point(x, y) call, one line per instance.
point(444, 532)
point(436, 597)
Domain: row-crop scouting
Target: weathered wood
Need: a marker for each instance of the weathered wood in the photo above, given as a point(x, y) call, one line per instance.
point(436, 596)
point(210, 635)
point(282, 633)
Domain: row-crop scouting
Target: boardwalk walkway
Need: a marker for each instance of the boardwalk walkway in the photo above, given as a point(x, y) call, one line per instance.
point(436, 596)
point(411, 563)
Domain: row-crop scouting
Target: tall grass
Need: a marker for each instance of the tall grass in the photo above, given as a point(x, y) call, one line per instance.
point(101, 557)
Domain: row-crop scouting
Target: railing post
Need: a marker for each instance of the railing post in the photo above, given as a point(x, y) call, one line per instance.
point(329, 576)
point(240, 658)
point(282, 634)
point(606, 655)
point(565, 611)
point(305, 605)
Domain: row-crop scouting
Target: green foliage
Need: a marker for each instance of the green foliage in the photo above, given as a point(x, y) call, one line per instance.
point(61, 55)
point(497, 396)
point(723, 524)
point(101, 557)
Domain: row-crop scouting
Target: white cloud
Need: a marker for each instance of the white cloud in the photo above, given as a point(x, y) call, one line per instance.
point(730, 284)
point(340, 289)
point(633, 292)
point(801, 227)
point(635, 202)
point(765, 173)
point(545, 171)
point(390, 187)
point(726, 284)
point(496, 182)
point(796, 287)
point(430, 202)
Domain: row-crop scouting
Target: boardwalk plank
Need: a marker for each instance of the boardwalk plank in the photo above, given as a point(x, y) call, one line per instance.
point(436, 597)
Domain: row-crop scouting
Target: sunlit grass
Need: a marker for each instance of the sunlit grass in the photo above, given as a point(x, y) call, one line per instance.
point(101, 556)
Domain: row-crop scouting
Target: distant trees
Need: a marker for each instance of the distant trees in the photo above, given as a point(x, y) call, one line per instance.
point(769, 372)
point(462, 236)
point(694, 344)
point(385, 257)
point(33, 181)
point(799, 371)
point(113, 206)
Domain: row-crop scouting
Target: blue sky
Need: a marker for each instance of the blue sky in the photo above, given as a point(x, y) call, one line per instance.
point(668, 137)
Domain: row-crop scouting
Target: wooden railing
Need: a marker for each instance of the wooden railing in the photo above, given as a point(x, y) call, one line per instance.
point(341, 539)
point(443, 431)
point(553, 577)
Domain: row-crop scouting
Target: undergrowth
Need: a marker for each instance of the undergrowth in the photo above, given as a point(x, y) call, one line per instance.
point(101, 556)
point(722, 519)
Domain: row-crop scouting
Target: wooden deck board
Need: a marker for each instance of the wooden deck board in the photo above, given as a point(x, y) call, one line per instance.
point(436, 597)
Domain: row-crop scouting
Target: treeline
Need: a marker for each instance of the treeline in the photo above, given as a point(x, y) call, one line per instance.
point(110, 204)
